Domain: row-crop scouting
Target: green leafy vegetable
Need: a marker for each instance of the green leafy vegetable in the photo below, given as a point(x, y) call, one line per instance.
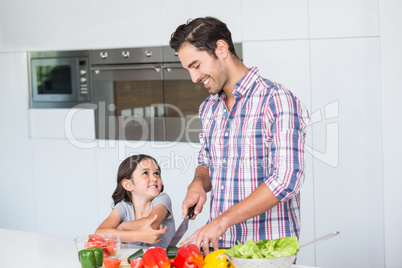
point(265, 249)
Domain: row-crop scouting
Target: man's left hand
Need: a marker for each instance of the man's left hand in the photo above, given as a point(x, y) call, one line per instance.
point(206, 236)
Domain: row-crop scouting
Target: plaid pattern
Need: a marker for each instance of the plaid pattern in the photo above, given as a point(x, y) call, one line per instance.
point(261, 140)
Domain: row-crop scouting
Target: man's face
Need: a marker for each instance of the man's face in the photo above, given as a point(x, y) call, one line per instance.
point(203, 68)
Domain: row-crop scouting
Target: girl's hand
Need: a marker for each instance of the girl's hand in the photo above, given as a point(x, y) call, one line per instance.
point(150, 235)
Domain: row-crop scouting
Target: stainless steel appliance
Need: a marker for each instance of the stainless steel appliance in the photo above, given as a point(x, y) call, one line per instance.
point(145, 94)
point(59, 79)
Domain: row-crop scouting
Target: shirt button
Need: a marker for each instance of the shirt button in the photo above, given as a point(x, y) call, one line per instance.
point(224, 160)
point(222, 187)
point(226, 134)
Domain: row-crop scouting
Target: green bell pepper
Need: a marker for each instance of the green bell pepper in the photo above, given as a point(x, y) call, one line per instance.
point(91, 257)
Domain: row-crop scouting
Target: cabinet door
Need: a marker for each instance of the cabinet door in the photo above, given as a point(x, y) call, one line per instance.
point(274, 20)
point(348, 154)
point(177, 12)
point(57, 25)
point(13, 30)
point(343, 18)
point(125, 23)
point(17, 207)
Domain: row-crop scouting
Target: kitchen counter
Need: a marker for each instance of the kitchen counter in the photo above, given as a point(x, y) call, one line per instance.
point(26, 249)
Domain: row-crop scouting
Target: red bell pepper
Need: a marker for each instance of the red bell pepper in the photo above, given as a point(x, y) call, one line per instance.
point(155, 258)
point(189, 257)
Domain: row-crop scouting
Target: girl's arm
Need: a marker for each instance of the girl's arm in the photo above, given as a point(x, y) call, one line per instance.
point(145, 233)
point(159, 210)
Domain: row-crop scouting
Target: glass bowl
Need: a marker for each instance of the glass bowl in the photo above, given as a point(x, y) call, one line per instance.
point(109, 243)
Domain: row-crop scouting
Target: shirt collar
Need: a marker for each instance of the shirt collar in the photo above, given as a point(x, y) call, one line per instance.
point(246, 82)
point(243, 85)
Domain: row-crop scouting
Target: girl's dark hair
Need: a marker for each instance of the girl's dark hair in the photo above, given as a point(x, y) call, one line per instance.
point(202, 33)
point(125, 171)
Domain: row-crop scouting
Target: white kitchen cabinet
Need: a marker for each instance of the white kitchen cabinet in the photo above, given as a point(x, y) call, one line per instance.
point(284, 62)
point(65, 188)
point(274, 20)
point(348, 181)
point(307, 233)
point(57, 25)
point(177, 12)
point(13, 26)
point(391, 70)
point(125, 23)
point(76, 125)
point(17, 197)
point(343, 18)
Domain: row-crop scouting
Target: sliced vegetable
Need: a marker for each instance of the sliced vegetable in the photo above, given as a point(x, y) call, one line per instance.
point(138, 254)
point(217, 259)
point(265, 249)
point(136, 263)
point(111, 262)
point(95, 241)
point(111, 247)
point(91, 257)
point(171, 252)
point(155, 258)
point(189, 256)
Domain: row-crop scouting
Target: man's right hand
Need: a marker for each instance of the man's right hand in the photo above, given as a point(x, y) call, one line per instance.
point(196, 195)
point(197, 191)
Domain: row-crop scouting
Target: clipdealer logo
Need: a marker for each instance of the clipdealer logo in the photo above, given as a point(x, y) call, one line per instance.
point(330, 154)
point(121, 122)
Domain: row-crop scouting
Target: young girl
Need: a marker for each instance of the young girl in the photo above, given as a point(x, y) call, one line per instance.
point(141, 207)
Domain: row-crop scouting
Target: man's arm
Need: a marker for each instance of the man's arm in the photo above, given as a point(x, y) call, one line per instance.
point(255, 204)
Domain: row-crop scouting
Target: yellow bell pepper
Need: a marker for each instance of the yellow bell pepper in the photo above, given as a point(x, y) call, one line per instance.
point(217, 259)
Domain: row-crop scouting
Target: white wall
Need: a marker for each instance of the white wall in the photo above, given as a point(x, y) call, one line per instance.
point(341, 58)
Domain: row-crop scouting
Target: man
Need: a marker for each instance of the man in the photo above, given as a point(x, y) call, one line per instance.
point(252, 143)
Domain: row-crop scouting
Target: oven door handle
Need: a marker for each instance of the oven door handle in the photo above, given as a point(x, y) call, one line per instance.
point(157, 68)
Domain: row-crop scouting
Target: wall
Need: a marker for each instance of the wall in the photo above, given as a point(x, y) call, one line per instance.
point(391, 68)
point(341, 58)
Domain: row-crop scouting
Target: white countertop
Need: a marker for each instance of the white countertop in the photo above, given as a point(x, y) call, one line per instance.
point(26, 249)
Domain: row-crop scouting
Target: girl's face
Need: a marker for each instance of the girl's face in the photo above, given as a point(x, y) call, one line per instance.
point(146, 179)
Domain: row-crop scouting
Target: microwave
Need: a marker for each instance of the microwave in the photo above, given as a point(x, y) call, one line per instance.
point(59, 79)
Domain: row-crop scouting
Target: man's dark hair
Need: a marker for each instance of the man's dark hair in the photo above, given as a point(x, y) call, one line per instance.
point(202, 33)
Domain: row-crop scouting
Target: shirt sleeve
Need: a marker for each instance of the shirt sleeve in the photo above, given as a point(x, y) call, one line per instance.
point(203, 156)
point(163, 199)
point(285, 124)
point(121, 207)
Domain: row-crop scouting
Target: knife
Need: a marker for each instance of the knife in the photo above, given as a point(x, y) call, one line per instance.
point(182, 228)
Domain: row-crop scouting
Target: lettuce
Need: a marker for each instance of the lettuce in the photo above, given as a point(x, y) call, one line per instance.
point(265, 249)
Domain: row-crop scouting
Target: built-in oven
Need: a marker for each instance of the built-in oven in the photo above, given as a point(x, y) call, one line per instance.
point(59, 79)
point(144, 94)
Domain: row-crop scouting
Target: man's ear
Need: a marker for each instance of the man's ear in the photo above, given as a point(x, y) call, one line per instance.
point(222, 49)
point(127, 185)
